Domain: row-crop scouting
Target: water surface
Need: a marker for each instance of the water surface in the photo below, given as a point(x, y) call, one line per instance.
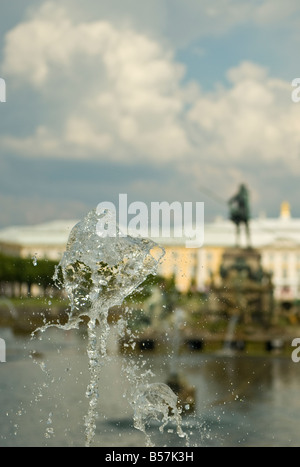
point(241, 401)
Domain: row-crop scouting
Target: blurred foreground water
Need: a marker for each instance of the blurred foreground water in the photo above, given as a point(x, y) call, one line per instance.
point(240, 400)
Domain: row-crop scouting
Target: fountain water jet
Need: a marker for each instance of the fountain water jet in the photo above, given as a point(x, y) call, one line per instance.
point(227, 346)
point(98, 271)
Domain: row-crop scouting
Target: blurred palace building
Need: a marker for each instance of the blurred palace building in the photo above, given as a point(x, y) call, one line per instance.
point(277, 239)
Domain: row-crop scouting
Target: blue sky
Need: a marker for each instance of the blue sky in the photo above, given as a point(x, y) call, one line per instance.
point(154, 99)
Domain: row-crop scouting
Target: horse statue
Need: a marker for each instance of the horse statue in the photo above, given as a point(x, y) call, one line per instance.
point(240, 213)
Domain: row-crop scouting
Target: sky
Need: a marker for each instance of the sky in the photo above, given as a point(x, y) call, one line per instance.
point(168, 100)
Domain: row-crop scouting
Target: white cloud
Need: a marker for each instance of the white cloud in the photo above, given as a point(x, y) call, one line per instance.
point(130, 97)
point(81, 133)
point(118, 94)
point(252, 121)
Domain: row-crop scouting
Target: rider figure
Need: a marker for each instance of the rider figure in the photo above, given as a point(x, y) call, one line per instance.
point(240, 212)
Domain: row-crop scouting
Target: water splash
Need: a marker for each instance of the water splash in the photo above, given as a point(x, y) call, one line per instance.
point(158, 402)
point(227, 346)
point(151, 402)
point(98, 271)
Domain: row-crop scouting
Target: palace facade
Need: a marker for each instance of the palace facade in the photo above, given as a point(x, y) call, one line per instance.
point(277, 239)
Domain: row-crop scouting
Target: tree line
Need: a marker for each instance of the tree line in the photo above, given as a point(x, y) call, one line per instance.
point(16, 271)
point(19, 274)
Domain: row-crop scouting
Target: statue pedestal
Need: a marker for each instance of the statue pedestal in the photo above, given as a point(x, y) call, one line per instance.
point(246, 290)
point(241, 259)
